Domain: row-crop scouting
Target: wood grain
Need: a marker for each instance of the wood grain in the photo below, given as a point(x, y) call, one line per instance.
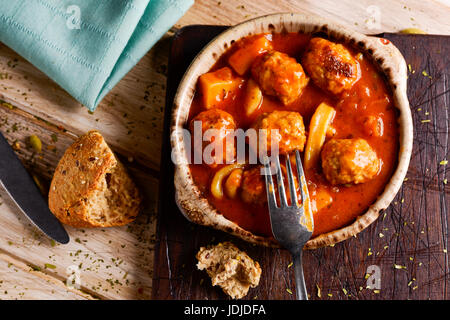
point(130, 116)
point(408, 243)
point(19, 281)
point(114, 263)
point(392, 16)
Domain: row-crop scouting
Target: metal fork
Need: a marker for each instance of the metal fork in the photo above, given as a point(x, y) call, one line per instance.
point(292, 224)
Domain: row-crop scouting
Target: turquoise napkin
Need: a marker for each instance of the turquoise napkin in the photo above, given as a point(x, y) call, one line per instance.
point(86, 46)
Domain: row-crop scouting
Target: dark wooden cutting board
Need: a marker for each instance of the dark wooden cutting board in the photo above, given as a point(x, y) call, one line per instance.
point(408, 243)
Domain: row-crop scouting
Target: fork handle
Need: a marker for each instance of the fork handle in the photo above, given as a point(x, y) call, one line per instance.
point(299, 277)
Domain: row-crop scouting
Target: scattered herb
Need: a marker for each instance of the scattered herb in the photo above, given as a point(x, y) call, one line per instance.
point(35, 268)
point(36, 143)
point(16, 146)
point(397, 266)
point(6, 104)
point(412, 30)
point(425, 74)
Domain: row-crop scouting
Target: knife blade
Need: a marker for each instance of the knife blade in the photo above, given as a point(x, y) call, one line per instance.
point(24, 192)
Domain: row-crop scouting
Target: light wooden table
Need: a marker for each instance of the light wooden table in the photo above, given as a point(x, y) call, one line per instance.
point(117, 263)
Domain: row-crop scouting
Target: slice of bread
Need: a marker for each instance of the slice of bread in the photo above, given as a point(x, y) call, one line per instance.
point(91, 188)
point(230, 268)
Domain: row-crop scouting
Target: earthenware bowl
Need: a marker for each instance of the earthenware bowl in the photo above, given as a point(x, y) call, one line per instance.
point(384, 54)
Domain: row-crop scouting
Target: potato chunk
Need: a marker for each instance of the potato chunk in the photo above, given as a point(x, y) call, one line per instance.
point(218, 86)
point(241, 60)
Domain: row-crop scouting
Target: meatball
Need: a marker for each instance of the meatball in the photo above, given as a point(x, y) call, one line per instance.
point(330, 65)
point(220, 149)
point(347, 161)
point(280, 76)
point(290, 133)
point(253, 186)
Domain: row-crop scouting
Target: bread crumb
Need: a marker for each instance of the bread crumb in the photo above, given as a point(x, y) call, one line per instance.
point(230, 268)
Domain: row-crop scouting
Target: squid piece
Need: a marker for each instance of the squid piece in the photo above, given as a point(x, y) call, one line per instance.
point(253, 98)
point(318, 128)
point(233, 183)
point(219, 177)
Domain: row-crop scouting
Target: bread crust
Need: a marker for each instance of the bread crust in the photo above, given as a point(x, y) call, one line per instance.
point(230, 268)
point(81, 174)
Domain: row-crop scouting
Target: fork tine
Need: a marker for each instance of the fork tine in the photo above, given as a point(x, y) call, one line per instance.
point(300, 175)
point(290, 177)
point(280, 183)
point(270, 189)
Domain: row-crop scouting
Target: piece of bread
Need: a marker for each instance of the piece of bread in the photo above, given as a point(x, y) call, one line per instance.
point(230, 268)
point(91, 188)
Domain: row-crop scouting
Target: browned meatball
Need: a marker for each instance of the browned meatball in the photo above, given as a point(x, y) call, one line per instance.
point(330, 65)
point(347, 161)
point(291, 132)
point(224, 125)
point(280, 76)
point(253, 186)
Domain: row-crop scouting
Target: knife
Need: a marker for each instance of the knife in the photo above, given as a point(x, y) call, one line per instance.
point(21, 187)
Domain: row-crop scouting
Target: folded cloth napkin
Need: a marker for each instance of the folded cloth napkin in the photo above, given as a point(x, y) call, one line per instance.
point(86, 46)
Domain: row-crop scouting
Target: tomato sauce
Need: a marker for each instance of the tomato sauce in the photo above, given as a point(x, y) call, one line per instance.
point(369, 96)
